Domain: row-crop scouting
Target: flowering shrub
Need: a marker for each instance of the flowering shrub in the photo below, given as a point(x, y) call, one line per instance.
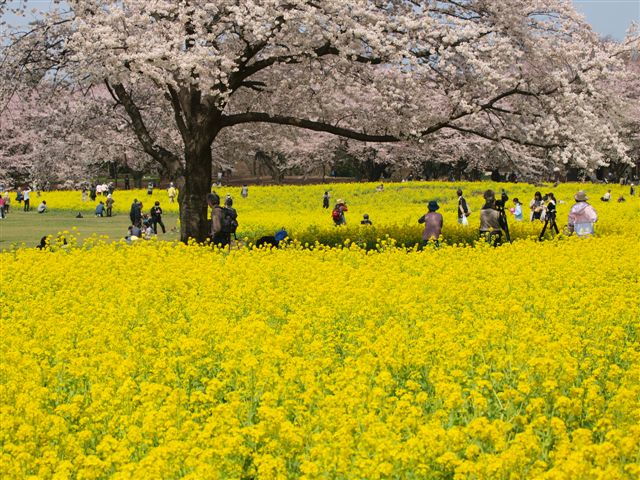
point(162, 361)
point(394, 211)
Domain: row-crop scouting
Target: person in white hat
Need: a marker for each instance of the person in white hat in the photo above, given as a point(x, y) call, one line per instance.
point(338, 212)
point(582, 216)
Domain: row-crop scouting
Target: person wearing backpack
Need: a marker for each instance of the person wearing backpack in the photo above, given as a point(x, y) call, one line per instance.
point(230, 217)
point(337, 214)
point(218, 236)
point(325, 200)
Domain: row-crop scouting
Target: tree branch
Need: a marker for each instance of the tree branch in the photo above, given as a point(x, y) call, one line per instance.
point(260, 117)
point(500, 138)
point(163, 156)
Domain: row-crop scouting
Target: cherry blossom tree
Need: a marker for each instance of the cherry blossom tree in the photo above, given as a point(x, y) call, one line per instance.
point(516, 73)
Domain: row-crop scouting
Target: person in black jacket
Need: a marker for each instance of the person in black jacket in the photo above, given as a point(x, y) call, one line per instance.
point(135, 214)
point(156, 218)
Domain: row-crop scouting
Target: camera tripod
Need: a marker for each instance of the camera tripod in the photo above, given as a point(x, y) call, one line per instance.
point(503, 220)
point(550, 221)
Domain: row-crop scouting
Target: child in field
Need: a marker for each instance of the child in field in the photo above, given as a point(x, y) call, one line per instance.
point(517, 210)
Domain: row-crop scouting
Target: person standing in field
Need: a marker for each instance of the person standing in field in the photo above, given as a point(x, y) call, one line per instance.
point(150, 188)
point(517, 210)
point(582, 216)
point(156, 218)
point(109, 204)
point(85, 194)
point(26, 193)
point(2, 212)
point(433, 222)
point(7, 202)
point(325, 200)
point(19, 196)
point(491, 225)
point(230, 218)
point(537, 207)
point(135, 214)
point(172, 193)
point(338, 213)
point(245, 191)
point(218, 237)
point(463, 209)
point(92, 192)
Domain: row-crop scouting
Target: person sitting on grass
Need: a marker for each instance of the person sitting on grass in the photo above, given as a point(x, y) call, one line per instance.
point(42, 208)
point(134, 233)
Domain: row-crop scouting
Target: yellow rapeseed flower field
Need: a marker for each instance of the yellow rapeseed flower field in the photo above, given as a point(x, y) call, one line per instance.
point(169, 361)
point(162, 361)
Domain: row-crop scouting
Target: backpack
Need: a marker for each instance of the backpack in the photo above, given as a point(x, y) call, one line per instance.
point(281, 235)
point(229, 223)
point(336, 214)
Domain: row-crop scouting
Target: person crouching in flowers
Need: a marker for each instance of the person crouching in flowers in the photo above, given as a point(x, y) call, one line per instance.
point(582, 216)
point(432, 223)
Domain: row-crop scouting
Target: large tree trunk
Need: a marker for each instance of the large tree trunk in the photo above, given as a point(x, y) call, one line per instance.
point(193, 189)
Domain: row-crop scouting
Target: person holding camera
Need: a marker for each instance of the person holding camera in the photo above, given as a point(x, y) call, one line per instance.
point(337, 214)
point(491, 222)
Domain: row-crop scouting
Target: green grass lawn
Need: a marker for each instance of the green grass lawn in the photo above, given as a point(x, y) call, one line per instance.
point(29, 227)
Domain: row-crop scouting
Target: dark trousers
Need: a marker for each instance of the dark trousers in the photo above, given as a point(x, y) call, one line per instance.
point(26, 205)
point(222, 239)
point(155, 223)
point(109, 210)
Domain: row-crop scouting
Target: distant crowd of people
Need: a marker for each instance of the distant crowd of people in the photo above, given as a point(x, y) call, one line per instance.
point(493, 223)
point(493, 220)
